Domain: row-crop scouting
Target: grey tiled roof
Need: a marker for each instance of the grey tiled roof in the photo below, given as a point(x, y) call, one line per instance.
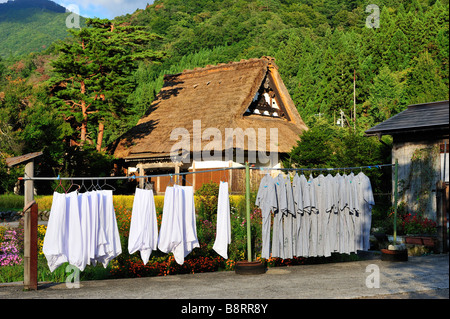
point(416, 117)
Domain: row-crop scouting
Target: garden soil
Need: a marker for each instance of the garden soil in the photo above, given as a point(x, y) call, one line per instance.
point(420, 277)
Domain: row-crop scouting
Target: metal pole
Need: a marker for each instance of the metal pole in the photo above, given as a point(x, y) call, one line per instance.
point(247, 199)
point(395, 200)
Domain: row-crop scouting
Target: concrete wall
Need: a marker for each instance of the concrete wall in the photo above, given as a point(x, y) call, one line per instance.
point(419, 171)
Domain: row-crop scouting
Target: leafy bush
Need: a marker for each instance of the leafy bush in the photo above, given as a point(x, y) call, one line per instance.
point(418, 225)
point(207, 196)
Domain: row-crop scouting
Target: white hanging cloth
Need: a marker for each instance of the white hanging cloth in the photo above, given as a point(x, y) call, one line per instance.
point(223, 228)
point(143, 234)
point(54, 240)
point(82, 230)
point(178, 232)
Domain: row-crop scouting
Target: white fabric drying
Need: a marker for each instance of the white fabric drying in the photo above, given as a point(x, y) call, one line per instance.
point(178, 233)
point(223, 228)
point(82, 230)
point(143, 234)
point(54, 240)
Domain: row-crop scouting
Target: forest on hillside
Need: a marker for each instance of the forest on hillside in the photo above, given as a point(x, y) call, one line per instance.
point(30, 26)
point(320, 46)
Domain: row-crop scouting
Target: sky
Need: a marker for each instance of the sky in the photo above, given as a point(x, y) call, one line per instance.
point(103, 8)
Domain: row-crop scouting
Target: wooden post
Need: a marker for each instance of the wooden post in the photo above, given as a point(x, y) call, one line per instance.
point(441, 216)
point(141, 172)
point(177, 171)
point(193, 176)
point(30, 231)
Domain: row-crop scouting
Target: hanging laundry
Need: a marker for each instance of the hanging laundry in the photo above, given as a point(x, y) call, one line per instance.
point(98, 240)
point(266, 200)
point(288, 220)
point(322, 190)
point(298, 206)
point(333, 218)
point(81, 230)
point(342, 202)
point(85, 225)
point(170, 231)
point(223, 228)
point(365, 202)
point(113, 247)
point(54, 247)
point(178, 233)
point(188, 222)
point(278, 234)
point(331, 214)
point(143, 235)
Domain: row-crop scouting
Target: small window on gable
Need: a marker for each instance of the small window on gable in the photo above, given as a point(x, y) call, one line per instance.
point(266, 102)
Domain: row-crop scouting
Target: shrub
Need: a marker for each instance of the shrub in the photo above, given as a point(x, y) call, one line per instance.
point(417, 225)
point(44, 202)
point(207, 196)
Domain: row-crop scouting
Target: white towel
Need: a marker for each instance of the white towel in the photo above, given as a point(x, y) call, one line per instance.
point(223, 227)
point(170, 234)
point(108, 221)
point(143, 235)
point(178, 234)
point(185, 211)
point(74, 239)
point(54, 240)
point(86, 230)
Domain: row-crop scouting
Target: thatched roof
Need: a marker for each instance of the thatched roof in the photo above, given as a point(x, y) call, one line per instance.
point(220, 96)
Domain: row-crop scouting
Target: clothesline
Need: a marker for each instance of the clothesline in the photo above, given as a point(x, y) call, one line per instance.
point(196, 172)
point(122, 177)
point(321, 169)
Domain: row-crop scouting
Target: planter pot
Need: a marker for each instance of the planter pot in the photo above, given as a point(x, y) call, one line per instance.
point(394, 255)
point(400, 239)
point(249, 268)
point(429, 241)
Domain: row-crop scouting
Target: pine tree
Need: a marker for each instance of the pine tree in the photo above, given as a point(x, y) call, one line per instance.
point(386, 95)
point(424, 81)
point(91, 79)
point(397, 55)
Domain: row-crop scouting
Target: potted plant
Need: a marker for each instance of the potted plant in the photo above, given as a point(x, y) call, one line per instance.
point(394, 248)
point(419, 230)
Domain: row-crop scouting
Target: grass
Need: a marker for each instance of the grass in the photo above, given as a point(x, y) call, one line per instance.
point(15, 273)
point(11, 202)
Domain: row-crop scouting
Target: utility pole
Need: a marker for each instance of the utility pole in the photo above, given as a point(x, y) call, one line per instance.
point(354, 99)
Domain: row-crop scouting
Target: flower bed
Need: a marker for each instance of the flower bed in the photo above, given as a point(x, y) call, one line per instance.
point(9, 248)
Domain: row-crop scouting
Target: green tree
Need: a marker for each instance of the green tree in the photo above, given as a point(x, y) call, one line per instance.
point(92, 75)
point(397, 55)
point(2, 69)
point(317, 147)
point(386, 95)
point(424, 81)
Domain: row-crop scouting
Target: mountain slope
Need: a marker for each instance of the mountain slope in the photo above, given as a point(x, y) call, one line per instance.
point(30, 25)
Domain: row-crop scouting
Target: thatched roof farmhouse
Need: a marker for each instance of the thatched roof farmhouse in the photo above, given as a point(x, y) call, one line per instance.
point(244, 96)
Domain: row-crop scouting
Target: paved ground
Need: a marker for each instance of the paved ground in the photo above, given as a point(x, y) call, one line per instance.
point(425, 277)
